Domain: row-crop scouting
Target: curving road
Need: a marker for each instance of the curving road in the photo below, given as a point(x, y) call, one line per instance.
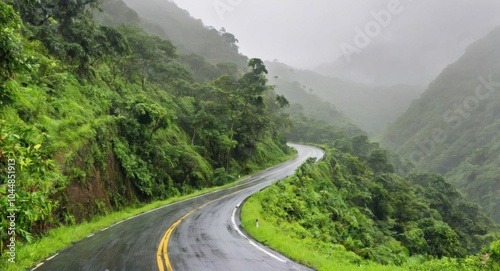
point(198, 234)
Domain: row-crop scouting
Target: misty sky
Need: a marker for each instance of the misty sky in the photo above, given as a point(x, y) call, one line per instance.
point(305, 34)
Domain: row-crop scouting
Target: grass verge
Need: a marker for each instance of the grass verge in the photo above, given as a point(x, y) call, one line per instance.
point(310, 252)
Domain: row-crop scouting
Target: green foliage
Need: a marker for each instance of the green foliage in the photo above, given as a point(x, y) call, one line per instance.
point(441, 132)
point(67, 31)
point(204, 48)
point(109, 117)
point(494, 256)
point(167, 20)
point(348, 200)
point(149, 53)
point(13, 59)
point(35, 178)
point(471, 263)
point(495, 250)
point(222, 177)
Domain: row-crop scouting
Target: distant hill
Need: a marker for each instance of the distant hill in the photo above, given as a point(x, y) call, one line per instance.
point(167, 20)
point(310, 106)
point(454, 127)
point(371, 108)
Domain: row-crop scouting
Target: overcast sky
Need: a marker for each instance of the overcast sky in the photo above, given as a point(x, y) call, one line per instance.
point(306, 34)
point(284, 29)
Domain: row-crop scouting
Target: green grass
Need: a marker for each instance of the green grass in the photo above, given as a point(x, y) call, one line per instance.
point(28, 255)
point(306, 251)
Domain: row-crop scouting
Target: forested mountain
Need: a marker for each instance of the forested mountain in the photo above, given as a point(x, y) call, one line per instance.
point(94, 118)
point(352, 210)
point(167, 20)
point(371, 108)
point(207, 52)
point(453, 128)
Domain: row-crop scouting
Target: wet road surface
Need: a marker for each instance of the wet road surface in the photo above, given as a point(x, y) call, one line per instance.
point(205, 234)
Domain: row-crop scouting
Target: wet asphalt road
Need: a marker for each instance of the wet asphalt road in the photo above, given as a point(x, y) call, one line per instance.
point(207, 239)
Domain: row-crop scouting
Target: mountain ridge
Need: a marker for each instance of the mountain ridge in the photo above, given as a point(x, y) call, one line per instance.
point(451, 128)
point(371, 108)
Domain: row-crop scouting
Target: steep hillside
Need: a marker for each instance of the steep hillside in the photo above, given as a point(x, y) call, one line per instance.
point(167, 20)
point(96, 118)
point(454, 127)
point(205, 64)
point(371, 108)
point(349, 212)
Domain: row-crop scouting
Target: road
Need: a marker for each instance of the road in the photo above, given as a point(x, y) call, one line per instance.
point(198, 234)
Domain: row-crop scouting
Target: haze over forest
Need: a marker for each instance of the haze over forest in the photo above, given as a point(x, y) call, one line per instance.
point(416, 45)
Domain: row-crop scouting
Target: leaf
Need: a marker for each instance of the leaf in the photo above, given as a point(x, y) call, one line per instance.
point(26, 235)
point(37, 146)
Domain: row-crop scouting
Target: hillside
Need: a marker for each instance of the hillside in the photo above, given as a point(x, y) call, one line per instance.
point(371, 108)
point(202, 62)
point(167, 20)
point(350, 212)
point(453, 128)
point(96, 118)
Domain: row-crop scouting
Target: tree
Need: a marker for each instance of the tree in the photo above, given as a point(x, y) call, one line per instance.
point(378, 161)
point(65, 27)
point(149, 114)
point(229, 38)
point(12, 57)
point(149, 53)
point(253, 121)
point(282, 101)
point(442, 241)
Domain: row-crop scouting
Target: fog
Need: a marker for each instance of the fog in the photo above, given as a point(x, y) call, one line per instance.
point(411, 46)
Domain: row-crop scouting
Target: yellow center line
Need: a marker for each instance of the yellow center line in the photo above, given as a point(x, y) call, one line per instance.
point(163, 248)
point(162, 252)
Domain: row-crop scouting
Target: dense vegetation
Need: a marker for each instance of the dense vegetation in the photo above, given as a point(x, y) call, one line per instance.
point(165, 19)
point(352, 209)
point(99, 117)
point(453, 128)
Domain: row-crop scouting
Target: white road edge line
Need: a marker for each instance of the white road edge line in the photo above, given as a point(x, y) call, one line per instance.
point(38, 265)
point(248, 239)
point(52, 257)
